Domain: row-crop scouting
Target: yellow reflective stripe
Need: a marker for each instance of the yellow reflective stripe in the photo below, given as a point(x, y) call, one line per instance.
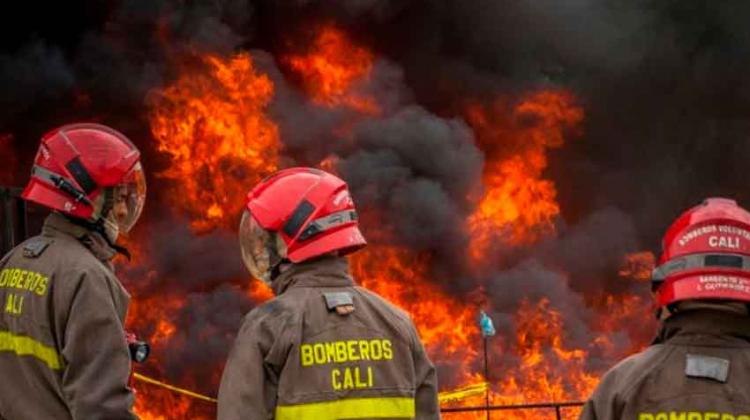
point(27, 346)
point(354, 408)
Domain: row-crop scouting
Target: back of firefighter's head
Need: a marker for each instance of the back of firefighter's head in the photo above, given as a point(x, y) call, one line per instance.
point(706, 259)
point(92, 173)
point(296, 215)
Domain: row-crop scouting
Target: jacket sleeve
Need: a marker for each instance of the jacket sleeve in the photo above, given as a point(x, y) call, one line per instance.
point(248, 384)
point(426, 398)
point(95, 354)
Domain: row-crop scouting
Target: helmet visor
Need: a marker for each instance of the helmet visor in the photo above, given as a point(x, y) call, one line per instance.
point(129, 198)
point(257, 246)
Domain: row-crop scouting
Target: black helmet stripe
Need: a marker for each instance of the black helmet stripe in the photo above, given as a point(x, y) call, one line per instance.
point(81, 175)
point(298, 218)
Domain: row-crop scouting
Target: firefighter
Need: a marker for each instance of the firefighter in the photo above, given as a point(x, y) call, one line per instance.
point(63, 350)
point(324, 348)
point(698, 368)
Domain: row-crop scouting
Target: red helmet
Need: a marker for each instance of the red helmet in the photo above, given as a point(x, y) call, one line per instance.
point(87, 171)
point(297, 214)
point(706, 255)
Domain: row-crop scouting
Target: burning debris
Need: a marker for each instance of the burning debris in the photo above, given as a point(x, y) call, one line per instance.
point(500, 168)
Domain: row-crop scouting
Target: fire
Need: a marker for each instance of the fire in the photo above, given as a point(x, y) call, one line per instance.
point(333, 69)
point(212, 125)
point(258, 291)
point(536, 366)
point(152, 317)
point(543, 354)
point(447, 327)
point(519, 206)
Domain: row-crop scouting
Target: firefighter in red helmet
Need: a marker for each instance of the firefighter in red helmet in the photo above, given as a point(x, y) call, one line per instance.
point(63, 350)
point(324, 348)
point(698, 368)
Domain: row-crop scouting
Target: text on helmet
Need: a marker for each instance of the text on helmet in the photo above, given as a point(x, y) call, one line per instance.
point(722, 236)
point(719, 282)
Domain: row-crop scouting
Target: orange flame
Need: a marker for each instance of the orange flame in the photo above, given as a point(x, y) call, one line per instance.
point(541, 349)
point(546, 369)
point(212, 125)
point(518, 205)
point(447, 327)
point(333, 70)
point(258, 291)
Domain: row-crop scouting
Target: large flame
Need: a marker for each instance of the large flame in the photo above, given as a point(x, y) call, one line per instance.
point(212, 124)
point(446, 326)
point(519, 206)
point(333, 69)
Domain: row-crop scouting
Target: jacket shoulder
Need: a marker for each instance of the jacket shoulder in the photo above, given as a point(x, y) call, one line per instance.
point(59, 256)
point(399, 313)
point(630, 373)
point(76, 258)
point(270, 312)
point(399, 317)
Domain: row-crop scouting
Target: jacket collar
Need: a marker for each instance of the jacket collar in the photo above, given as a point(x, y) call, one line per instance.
point(58, 225)
point(321, 272)
point(705, 326)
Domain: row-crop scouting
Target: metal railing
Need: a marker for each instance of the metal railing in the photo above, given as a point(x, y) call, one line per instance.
point(557, 406)
point(14, 215)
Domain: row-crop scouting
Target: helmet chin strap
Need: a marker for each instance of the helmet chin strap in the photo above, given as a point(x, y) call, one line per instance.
point(276, 249)
point(276, 270)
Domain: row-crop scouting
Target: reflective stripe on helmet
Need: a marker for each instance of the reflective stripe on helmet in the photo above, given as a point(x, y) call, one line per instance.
point(354, 408)
point(324, 223)
point(81, 175)
point(693, 261)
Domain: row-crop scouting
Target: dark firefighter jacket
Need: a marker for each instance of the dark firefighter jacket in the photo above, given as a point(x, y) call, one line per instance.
point(698, 369)
point(63, 353)
point(296, 358)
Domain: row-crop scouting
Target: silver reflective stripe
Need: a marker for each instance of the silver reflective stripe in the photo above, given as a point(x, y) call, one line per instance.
point(328, 222)
point(334, 219)
point(693, 261)
point(699, 366)
point(44, 174)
